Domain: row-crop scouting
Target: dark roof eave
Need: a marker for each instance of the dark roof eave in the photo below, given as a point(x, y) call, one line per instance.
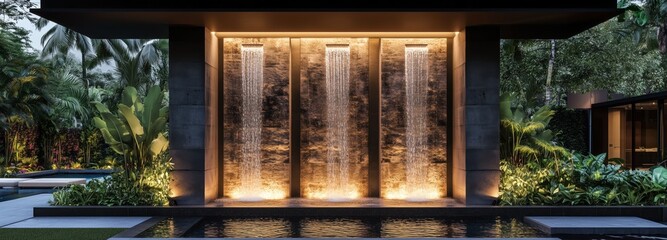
point(138, 23)
point(630, 100)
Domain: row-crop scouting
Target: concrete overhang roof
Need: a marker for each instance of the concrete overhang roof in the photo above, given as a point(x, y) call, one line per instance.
point(151, 18)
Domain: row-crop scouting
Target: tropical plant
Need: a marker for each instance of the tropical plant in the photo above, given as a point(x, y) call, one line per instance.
point(138, 63)
point(136, 132)
point(23, 100)
point(646, 22)
point(583, 180)
point(118, 190)
point(524, 137)
point(598, 58)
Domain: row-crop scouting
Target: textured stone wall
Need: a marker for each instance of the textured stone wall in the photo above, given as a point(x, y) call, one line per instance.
point(393, 144)
point(313, 110)
point(275, 113)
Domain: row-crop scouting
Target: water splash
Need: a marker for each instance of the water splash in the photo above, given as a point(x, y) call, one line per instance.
point(337, 90)
point(416, 116)
point(252, 76)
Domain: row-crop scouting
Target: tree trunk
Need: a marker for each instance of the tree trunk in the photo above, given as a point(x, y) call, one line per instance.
point(550, 70)
point(662, 37)
point(84, 77)
point(8, 146)
point(86, 87)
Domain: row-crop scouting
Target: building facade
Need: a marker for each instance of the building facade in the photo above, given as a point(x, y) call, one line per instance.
point(306, 100)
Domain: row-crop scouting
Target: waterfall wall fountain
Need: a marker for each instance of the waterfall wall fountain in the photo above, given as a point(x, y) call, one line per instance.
point(334, 117)
point(255, 111)
point(414, 119)
point(416, 133)
point(337, 62)
point(252, 75)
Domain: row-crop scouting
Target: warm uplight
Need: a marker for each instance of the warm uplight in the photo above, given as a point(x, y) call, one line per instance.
point(265, 194)
point(418, 195)
point(338, 195)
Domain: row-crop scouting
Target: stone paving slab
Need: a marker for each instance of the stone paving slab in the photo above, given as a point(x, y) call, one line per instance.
point(595, 225)
point(16, 210)
point(78, 222)
point(11, 182)
point(51, 182)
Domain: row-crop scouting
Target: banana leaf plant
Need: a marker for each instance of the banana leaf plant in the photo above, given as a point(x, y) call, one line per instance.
point(136, 130)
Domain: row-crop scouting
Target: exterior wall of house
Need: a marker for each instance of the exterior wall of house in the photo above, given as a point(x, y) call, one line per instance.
point(193, 115)
point(476, 156)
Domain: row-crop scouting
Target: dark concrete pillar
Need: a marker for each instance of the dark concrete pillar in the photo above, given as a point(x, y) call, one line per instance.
point(193, 114)
point(476, 123)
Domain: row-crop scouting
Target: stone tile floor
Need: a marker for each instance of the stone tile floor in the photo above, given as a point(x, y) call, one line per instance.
point(78, 222)
point(596, 225)
point(20, 209)
point(18, 213)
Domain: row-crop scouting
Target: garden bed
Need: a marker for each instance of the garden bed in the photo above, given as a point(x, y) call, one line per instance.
point(67, 172)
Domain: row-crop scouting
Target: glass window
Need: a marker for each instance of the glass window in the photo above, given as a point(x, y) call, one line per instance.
point(645, 135)
point(619, 130)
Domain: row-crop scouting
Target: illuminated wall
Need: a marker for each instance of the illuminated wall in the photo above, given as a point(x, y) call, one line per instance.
point(313, 116)
point(394, 116)
point(274, 146)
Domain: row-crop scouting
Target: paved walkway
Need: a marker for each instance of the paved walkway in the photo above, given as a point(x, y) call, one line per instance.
point(20, 209)
point(17, 213)
point(78, 222)
point(596, 225)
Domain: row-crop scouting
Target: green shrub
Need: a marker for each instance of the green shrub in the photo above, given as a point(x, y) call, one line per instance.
point(570, 128)
point(119, 190)
point(583, 180)
point(524, 137)
point(137, 133)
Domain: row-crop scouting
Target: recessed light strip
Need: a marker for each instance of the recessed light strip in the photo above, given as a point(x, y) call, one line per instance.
point(339, 34)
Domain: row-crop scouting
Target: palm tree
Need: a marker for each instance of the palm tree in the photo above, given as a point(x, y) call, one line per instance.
point(137, 62)
point(60, 40)
point(70, 107)
point(23, 100)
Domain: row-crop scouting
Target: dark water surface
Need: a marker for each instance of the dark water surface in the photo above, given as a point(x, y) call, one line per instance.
point(342, 228)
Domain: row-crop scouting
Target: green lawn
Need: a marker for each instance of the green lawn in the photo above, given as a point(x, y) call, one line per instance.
point(58, 233)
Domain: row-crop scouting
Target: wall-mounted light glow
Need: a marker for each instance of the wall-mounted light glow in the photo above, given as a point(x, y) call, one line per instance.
point(266, 193)
point(337, 34)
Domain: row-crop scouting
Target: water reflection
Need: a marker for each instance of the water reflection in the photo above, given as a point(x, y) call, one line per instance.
point(242, 228)
point(345, 228)
point(409, 228)
point(340, 227)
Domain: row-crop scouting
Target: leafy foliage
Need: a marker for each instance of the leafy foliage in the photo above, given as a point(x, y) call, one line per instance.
point(570, 128)
point(583, 180)
point(525, 138)
point(136, 132)
point(119, 190)
point(599, 58)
